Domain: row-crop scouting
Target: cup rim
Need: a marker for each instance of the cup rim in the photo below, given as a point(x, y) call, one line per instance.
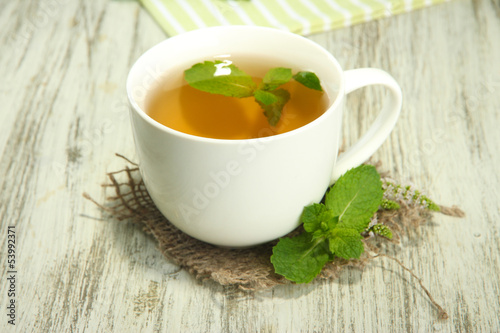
point(142, 113)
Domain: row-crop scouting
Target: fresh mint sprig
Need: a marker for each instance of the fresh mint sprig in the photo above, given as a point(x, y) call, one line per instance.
point(335, 228)
point(224, 78)
point(332, 229)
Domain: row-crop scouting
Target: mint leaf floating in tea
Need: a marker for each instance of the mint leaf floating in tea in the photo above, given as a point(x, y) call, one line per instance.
point(220, 77)
point(275, 77)
point(273, 110)
point(265, 97)
point(332, 229)
point(224, 78)
point(308, 79)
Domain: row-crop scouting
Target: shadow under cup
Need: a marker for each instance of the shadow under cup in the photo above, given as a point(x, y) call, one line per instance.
point(235, 193)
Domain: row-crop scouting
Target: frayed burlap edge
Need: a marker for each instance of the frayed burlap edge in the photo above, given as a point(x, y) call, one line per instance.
point(246, 269)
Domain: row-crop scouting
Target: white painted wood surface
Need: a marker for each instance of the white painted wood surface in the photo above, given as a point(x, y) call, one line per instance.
point(63, 115)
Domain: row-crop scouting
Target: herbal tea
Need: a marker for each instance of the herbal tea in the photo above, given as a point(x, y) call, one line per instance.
point(182, 107)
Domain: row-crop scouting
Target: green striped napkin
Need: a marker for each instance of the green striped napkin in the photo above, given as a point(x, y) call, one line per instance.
point(300, 16)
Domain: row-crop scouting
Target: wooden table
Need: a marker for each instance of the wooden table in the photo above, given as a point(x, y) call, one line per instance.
point(64, 114)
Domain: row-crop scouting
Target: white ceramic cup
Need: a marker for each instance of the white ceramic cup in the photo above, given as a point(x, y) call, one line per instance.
point(241, 193)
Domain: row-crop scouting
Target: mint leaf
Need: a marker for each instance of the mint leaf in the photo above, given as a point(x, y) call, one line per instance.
point(221, 78)
point(318, 219)
point(359, 224)
point(308, 79)
point(273, 111)
point(346, 243)
point(265, 97)
point(275, 77)
point(300, 259)
point(355, 197)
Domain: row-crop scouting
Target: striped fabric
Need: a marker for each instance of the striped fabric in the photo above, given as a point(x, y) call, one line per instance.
point(300, 16)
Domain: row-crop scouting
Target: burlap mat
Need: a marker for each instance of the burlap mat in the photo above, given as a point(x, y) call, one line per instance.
point(250, 268)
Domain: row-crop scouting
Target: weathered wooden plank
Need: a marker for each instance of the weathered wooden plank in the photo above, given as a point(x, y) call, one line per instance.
point(63, 115)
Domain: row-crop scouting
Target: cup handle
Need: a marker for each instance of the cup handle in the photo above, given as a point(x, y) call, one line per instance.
point(381, 127)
